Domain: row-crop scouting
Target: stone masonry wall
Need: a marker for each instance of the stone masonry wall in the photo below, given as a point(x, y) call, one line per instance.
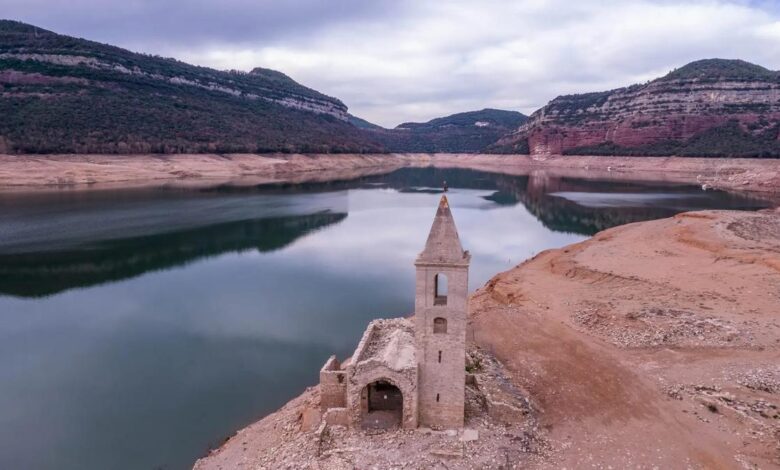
point(333, 385)
point(336, 417)
point(443, 379)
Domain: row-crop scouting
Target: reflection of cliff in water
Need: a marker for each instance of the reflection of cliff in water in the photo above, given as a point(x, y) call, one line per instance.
point(432, 179)
point(542, 196)
point(562, 215)
point(38, 274)
point(405, 180)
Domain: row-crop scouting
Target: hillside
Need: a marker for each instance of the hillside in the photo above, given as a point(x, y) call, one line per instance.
point(710, 107)
point(468, 132)
point(68, 95)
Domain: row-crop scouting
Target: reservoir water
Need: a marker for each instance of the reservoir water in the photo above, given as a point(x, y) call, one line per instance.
point(140, 328)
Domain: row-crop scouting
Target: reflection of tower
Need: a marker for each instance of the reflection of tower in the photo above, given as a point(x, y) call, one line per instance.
point(440, 323)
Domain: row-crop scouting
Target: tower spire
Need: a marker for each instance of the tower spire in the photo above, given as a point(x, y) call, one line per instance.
point(443, 244)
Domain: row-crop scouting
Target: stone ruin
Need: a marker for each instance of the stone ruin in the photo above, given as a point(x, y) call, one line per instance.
point(410, 372)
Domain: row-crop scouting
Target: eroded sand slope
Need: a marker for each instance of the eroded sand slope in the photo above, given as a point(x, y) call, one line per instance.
point(651, 344)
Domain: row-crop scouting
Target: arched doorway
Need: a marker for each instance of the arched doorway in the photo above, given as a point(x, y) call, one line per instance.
point(382, 406)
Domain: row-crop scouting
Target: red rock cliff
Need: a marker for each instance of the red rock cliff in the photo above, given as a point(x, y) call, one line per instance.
point(709, 107)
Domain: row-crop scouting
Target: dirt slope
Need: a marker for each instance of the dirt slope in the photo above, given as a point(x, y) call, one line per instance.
point(654, 344)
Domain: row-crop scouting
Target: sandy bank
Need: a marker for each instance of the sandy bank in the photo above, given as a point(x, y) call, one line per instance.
point(37, 172)
point(650, 345)
point(46, 172)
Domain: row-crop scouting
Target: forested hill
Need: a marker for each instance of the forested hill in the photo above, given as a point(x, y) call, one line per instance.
point(468, 132)
point(60, 94)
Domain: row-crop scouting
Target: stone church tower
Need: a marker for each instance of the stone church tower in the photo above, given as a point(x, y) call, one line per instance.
point(410, 372)
point(440, 315)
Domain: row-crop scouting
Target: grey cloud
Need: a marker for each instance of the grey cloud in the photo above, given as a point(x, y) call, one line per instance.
point(172, 24)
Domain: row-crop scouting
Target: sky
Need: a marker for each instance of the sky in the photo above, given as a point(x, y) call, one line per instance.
point(392, 61)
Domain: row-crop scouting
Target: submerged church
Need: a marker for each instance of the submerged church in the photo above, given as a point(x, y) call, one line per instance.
point(410, 372)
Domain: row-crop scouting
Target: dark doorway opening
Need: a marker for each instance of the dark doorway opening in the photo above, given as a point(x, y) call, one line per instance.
point(383, 405)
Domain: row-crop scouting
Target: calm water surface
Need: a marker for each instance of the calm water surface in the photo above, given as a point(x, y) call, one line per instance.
point(139, 328)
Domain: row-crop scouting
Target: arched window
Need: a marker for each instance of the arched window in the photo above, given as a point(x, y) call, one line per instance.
point(439, 325)
point(440, 290)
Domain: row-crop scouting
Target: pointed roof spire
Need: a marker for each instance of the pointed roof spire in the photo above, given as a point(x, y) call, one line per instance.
point(443, 244)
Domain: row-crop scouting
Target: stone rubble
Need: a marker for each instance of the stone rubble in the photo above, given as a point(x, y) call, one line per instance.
point(659, 326)
point(515, 441)
point(759, 415)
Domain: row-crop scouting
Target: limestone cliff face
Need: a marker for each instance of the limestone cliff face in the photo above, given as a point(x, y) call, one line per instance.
point(716, 107)
point(259, 84)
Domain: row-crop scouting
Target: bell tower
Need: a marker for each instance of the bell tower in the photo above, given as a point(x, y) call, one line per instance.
point(440, 316)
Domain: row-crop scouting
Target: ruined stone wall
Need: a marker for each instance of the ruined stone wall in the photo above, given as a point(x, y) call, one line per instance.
point(333, 385)
point(336, 417)
point(441, 356)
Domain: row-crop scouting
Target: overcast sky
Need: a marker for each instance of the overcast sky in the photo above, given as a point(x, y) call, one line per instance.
point(409, 60)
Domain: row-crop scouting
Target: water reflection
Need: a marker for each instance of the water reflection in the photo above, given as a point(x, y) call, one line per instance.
point(50, 245)
point(37, 274)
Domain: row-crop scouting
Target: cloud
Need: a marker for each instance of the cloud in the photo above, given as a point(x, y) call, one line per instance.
point(176, 24)
point(395, 61)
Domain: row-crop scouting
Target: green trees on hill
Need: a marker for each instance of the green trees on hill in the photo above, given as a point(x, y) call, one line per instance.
point(468, 132)
point(102, 121)
point(722, 69)
point(60, 94)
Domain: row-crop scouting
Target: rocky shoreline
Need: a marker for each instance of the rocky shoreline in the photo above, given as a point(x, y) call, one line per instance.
point(501, 426)
point(23, 173)
point(666, 361)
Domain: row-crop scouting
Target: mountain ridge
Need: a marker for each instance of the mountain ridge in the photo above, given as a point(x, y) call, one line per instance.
point(61, 94)
point(65, 94)
point(710, 107)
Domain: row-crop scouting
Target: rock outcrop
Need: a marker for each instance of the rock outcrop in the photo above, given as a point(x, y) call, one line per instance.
point(706, 108)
